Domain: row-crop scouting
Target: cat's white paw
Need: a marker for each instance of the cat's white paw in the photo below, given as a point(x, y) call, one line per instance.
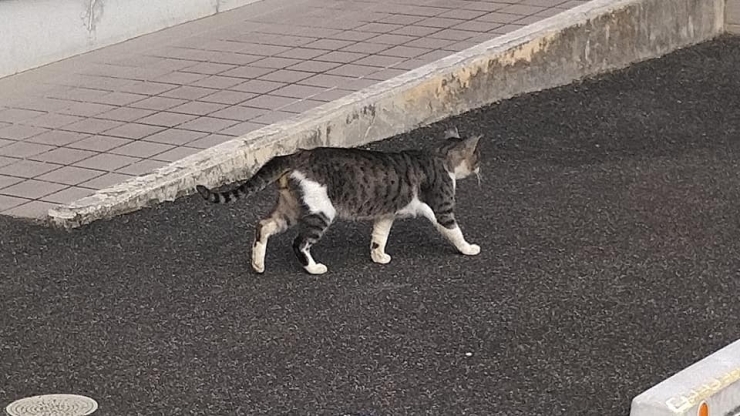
point(470, 250)
point(379, 257)
point(259, 268)
point(316, 268)
point(258, 257)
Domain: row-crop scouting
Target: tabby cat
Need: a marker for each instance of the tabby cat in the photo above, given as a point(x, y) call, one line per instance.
point(320, 185)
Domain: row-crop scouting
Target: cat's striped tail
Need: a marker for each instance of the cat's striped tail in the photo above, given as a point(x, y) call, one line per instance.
point(269, 173)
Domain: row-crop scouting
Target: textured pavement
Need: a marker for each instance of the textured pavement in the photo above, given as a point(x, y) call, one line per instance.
point(101, 118)
point(608, 223)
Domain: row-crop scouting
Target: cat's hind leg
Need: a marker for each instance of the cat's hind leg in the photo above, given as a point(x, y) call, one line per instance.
point(312, 229)
point(381, 229)
point(284, 215)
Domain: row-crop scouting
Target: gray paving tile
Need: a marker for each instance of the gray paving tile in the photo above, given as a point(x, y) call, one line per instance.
point(439, 22)
point(462, 14)
point(107, 161)
point(353, 35)
point(249, 72)
point(241, 128)
point(27, 168)
point(20, 132)
point(118, 98)
point(328, 44)
point(378, 27)
point(105, 181)
point(298, 91)
point(403, 52)
point(24, 149)
point(175, 154)
point(63, 156)
point(126, 114)
point(134, 131)
point(314, 66)
point(286, 76)
point(6, 181)
point(258, 86)
point(380, 61)
point(67, 196)
point(301, 106)
point(210, 141)
point(198, 108)
point(301, 53)
point(521, 9)
point(262, 50)
point(188, 93)
point(217, 82)
point(51, 120)
point(477, 26)
point(32, 189)
point(366, 47)
point(33, 209)
point(145, 166)
point(275, 62)
point(167, 119)
point(8, 202)
point(331, 95)
point(340, 57)
point(70, 175)
point(92, 126)
point(86, 109)
point(175, 137)
point(179, 78)
point(208, 124)
point(141, 149)
point(453, 34)
point(268, 102)
point(16, 115)
point(239, 112)
point(326, 81)
point(272, 117)
point(148, 88)
point(228, 97)
point(392, 39)
point(497, 17)
point(98, 143)
point(207, 68)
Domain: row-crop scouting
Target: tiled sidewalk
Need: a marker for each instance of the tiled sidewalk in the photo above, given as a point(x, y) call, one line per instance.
point(92, 121)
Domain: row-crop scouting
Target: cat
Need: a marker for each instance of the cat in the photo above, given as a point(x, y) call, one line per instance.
point(320, 185)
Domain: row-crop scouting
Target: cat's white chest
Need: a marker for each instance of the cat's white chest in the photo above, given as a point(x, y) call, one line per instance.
point(315, 196)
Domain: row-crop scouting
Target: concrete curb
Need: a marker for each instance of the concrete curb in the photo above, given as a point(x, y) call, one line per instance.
point(593, 38)
point(712, 383)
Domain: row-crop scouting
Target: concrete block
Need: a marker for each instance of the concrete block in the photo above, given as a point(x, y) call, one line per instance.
point(712, 384)
point(28, 39)
point(598, 36)
point(732, 16)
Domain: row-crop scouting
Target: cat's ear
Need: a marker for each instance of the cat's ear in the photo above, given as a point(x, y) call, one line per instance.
point(452, 133)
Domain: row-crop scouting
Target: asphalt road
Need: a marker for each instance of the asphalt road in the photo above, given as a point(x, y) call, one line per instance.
point(608, 221)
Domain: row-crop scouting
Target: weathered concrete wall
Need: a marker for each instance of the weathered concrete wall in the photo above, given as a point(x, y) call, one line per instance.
point(732, 16)
point(598, 36)
point(38, 32)
point(714, 381)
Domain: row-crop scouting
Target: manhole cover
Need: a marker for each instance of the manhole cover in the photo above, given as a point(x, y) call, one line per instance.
point(53, 405)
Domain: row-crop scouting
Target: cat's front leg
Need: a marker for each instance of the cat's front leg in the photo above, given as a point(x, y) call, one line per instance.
point(381, 229)
point(444, 221)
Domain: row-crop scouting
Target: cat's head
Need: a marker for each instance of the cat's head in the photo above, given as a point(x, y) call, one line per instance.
point(462, 156)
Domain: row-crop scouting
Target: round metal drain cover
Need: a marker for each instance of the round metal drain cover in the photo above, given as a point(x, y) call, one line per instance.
point(53, 405)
